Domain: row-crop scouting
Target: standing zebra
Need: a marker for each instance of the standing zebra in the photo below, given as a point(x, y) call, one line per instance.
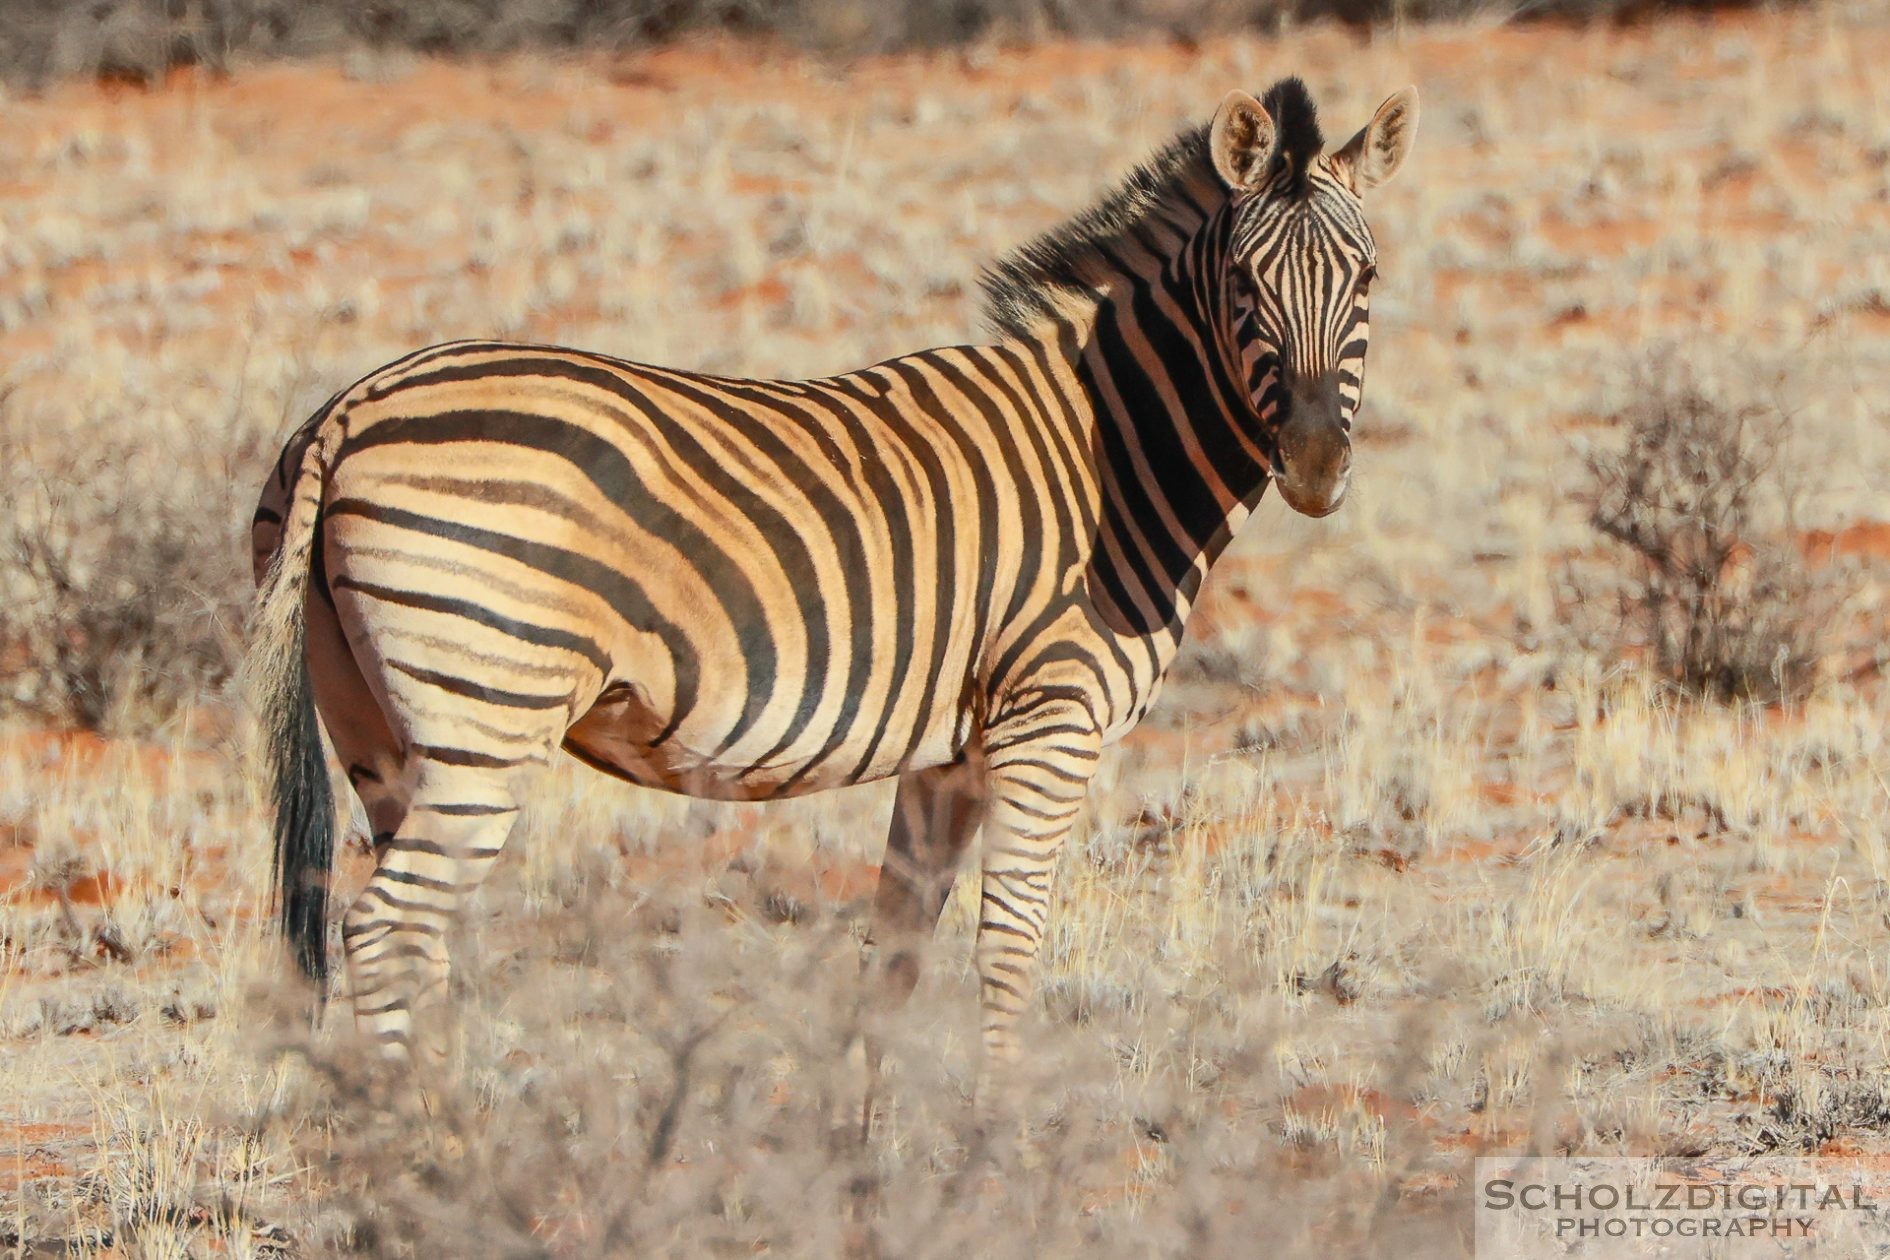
point(968, 567)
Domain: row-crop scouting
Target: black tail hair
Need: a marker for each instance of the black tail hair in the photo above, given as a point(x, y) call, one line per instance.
point(305, 821)
point(284, 698)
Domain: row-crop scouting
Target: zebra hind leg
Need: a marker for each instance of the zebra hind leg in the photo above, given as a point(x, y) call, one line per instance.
point(396, 932)
point(381, 798)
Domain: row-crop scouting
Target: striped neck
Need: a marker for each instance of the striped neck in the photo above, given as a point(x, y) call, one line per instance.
point(1174, 437)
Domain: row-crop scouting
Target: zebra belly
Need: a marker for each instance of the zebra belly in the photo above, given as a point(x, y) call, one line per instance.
point(622, 735)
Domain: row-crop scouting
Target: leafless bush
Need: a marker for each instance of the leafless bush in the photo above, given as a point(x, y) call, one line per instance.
point(1702, 498)
point(122, 567)
point(1808, 1120)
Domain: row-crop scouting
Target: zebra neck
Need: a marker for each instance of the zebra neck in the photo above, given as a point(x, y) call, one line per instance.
point(1178, 470)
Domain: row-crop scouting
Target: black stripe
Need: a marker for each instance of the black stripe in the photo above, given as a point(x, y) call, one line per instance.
point(796, 558)
point(525, 632)
point(1024, 498)
point(478, 691)
point(912, 372)
point(414, 879)
point(447, 756)
point(610, 470)
point(467, 811)
point(870, 392)
point(889, 498)
point(624, 595)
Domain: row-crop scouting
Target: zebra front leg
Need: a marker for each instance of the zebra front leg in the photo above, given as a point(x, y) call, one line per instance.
point(935, 814)
point(1041, 756)
point(396, 931)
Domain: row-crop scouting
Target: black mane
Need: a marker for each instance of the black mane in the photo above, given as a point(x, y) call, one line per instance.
point(1029, 284)
point(1296, 126)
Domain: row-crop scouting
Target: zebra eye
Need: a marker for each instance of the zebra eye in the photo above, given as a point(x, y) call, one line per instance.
point(1369, 274)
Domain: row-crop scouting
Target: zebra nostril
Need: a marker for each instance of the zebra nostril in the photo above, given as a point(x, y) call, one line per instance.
point(1278, 463)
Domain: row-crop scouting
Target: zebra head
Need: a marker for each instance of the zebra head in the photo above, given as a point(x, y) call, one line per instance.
point(1300, 262)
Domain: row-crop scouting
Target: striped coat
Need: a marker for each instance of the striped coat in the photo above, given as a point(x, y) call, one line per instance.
point(968, 567)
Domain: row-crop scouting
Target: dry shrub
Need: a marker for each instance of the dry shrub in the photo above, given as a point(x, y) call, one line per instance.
point(1702, 498)
point(1808, 1116)
point(647, 1073)
point(123, 566)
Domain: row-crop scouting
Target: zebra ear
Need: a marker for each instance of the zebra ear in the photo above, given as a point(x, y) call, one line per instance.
point(1375, 153)
point(1241, 140)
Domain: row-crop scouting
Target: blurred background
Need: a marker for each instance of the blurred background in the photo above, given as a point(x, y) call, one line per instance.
point(1534, 802)
point(139, 39)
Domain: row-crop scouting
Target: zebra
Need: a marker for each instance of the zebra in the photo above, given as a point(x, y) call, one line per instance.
point(966, 567)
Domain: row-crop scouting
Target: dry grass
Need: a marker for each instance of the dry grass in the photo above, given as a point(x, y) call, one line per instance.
point(1402, 871)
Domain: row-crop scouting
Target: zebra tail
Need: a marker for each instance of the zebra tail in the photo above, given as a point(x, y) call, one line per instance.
point(284, 699)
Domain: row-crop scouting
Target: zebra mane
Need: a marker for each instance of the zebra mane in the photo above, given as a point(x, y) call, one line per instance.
point(1037, 280)
point(1296, 120)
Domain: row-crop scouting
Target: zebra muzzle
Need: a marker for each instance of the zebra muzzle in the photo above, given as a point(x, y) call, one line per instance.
point(1312, 460)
